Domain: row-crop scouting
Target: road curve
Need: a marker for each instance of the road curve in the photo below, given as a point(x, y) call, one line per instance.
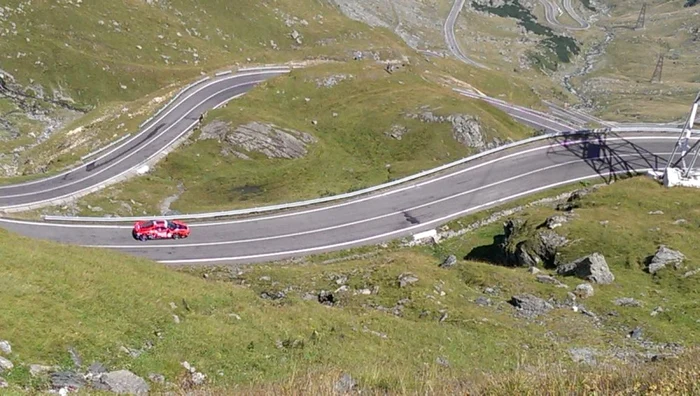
point(158, 135)
point(451, 40)
point(552, 10)
point(402, 211)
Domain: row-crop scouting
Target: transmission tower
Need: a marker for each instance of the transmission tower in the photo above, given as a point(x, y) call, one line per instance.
point(659, 68)
point(640, 18)
point(683, 142)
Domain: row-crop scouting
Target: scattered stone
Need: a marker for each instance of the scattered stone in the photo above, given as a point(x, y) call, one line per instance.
point(627, 302)
point(656, 311)
point(584, 290)
point(680, 221)
point(5, 347)
point(397, 131)
point(406, 279)
point(157, 378)
point(124, 381)
point(482, 301)
point(583, 355)
point(5, 364)
point(548, 279)
point(691, 273)
point(604, 222)
point(491, 290)
point(442, 361)
point(555, 221)
point(97, 368)
point(663, 257)
point(592, 268)
point(449, 262)
point(36, 370)
point(534, 270)
point(273, 295)
point(326, 298)
point(530, 305)
point(309, 296)
point(656, 212)
point(345, 384)
point(67, 379)
point(636, 333)
point(176, 319)
point(3, 383)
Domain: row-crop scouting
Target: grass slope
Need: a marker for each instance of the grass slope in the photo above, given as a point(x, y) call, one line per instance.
point(354, 149)
point(97, 301)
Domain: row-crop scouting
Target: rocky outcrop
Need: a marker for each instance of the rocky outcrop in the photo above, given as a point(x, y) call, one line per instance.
point(530, 306)
point(267, 139)
point(663, 257)
point(466, 129)
point(592, 268)
point(522, 248)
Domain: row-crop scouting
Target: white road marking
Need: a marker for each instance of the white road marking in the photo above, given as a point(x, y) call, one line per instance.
point(399, 212)
point(371, 197)
point(387, 234)
point(139, 148)
point(175, 105)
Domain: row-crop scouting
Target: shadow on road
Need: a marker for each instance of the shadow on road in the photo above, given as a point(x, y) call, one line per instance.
point(611, 159)
point(92, 166)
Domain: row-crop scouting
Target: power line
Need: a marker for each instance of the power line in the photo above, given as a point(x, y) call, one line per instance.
point(659, 68)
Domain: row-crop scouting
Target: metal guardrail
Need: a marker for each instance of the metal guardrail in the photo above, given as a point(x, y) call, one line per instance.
point(236, 212)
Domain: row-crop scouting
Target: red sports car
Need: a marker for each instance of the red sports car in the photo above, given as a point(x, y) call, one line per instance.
point(160, 229)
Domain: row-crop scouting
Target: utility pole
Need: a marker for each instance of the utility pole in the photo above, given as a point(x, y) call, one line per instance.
point(640, 18)
point(683, 142)
point(659, 68)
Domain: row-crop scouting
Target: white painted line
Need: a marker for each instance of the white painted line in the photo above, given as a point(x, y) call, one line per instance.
point(388, 234)
point(367, 198)
point(105, 147)
point(367, 220)
point(142, 132)
point(128, 155)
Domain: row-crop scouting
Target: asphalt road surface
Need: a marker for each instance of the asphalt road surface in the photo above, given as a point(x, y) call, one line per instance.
point(160, 133)
point(402, 211)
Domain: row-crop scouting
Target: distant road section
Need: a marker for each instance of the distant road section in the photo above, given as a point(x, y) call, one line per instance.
point(451, 40)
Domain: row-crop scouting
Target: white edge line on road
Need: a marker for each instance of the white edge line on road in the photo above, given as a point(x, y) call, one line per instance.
point(128, 155)
point(387, 234)
point(160, 117)
point(367, 220)
point(391, 192)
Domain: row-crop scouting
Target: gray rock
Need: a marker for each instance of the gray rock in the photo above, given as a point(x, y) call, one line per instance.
point(397, 131)
point(124, 381)
point(636, 333)
point(482, 301)
point(534, 270)
point(67, 379)
point(547, 279)
point(268, 139)
point(627, 302)
point(657, 311)
point(467, 130)
point(309, 297)
point(592, 268)
point(5, 347)
point(157, 378)
point(97, 368)
point(326, 297)
point(36, 370)
point(442, 361)
point(584, 290)
point(345, 384)
point(5, 364)
point(583, 355)
point(691, 273)
point(530, 306)
point(450, 261)
point(663, 257)
point(75, 357)
point(555, 221)
point(406, 279)
point(3, 383)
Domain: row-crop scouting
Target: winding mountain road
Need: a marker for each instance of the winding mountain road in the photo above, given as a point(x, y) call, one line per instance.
point(402, 211)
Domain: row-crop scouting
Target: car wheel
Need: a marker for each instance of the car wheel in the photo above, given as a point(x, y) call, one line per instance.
point(176, 236)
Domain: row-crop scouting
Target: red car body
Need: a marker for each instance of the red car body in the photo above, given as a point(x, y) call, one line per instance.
point(160, 229)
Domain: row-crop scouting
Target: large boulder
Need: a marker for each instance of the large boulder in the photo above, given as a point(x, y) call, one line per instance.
point(522, 247)
point(530, 306)
point(592, 268)
point(124, 381)
point(663, 257)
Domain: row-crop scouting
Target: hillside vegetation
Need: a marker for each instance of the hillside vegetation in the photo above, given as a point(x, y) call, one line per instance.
point(389, 318)
point(355, 125)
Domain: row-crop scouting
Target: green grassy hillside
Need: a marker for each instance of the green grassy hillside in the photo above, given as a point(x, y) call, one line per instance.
point(262, 327)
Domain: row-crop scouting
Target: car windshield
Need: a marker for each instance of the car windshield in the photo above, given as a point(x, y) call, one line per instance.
point(147, 224)
point(172, 226)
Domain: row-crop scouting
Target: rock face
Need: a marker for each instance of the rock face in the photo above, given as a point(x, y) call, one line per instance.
point(592, 268)
point(124, 381)
point(467, 130)
point(268, 139)
point(663, 257)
